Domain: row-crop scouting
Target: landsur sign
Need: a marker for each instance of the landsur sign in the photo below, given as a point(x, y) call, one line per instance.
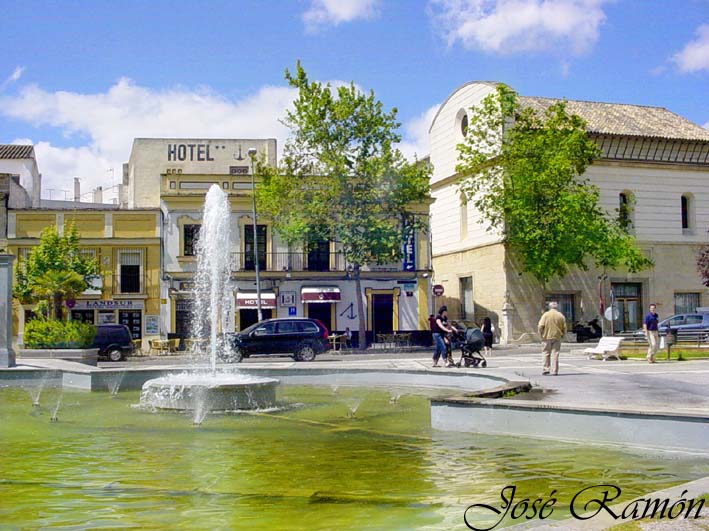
point(109, 305)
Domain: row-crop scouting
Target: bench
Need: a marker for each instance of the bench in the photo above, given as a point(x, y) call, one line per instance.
point(607, 348)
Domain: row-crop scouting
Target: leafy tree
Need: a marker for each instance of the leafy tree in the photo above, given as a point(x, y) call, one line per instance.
point(523, 171)
point(703, 265)
point(342, 179)
point(54, 270)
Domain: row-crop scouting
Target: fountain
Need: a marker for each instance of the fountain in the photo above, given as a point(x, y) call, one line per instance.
point(203, 391)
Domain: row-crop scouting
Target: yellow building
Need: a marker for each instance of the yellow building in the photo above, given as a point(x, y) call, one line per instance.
point(126, 244)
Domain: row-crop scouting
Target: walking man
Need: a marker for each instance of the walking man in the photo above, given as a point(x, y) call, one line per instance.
point(552, 327)
point(651, 333)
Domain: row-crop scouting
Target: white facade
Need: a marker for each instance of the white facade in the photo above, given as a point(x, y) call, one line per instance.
point(656, 172)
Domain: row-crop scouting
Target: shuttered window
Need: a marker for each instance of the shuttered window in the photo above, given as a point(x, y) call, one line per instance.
point(130, 270)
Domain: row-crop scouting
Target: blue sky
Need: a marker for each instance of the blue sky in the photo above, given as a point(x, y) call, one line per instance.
point(81, 79)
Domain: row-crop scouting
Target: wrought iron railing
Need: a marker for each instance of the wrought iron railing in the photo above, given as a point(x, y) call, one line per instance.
point(289, 261)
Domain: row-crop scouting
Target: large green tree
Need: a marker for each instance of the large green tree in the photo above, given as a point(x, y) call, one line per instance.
point(523, 170)
point(342, 178)
point(55, 270)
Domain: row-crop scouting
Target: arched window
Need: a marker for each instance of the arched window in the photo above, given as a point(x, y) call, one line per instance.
point(626, 203)
point(461, 124)
point(687, 214)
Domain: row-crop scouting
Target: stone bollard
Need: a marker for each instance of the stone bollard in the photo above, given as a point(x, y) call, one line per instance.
point(7, 355)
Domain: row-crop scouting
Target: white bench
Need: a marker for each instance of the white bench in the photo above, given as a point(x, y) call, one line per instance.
point(607, 348)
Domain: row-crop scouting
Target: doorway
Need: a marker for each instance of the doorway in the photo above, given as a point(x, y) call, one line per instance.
point(629, 303)
point(322, 311)
point(382, 313)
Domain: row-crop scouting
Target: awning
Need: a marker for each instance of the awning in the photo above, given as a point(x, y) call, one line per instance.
point(319, 294)
point(248, 299)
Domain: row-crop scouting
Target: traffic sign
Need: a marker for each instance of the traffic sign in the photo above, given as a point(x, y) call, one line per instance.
point(438, 290)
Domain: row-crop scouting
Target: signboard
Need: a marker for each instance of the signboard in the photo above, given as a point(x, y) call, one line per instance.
point(438, 290)
point(291, 311)
point(152, 325)
point(287, 298)
point(409, 252)
point(128, 304)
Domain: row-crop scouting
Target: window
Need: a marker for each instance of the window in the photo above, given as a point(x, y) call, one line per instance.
point(130, 264)
point(467, 306)
point(626, 202)
point(287, 327)
point(265, 329)
point(190, 234)
point(694, 319)
point(687, 213)
point(566, 304)
point(464, 124)
point(318, 254)
point(686, 302)
point(249, 263)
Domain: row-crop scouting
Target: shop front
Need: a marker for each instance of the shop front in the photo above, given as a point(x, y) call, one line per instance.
point(247, 306)
point(320, 302)
point(127, 312)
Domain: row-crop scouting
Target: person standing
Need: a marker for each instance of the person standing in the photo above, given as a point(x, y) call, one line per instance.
point(651, 333)
point(488, 330)
point(552, 327)
point(440, 328)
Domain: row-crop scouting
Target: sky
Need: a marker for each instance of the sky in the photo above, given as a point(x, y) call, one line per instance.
point(81, 79)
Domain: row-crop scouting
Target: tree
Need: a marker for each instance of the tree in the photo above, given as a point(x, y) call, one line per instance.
point(703, 265)
point(523, 171)
point(342, 179)
point(54, 270)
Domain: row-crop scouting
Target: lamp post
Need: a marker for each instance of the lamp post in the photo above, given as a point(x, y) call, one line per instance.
point(252, 156)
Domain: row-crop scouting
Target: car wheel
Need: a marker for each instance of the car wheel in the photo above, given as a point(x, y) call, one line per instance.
point(115, 354)
point(233, 355)
point(305, 353)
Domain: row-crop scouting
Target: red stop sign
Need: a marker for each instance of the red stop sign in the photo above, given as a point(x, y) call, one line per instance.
point(438, 290)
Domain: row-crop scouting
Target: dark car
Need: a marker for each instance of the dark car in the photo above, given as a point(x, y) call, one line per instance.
point(687, 322)
point(298, 337)
point(113, 341)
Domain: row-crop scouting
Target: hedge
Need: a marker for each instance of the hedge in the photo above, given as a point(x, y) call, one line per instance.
point(41, 333)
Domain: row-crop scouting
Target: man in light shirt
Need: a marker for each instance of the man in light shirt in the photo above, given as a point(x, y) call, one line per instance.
point(552, 327)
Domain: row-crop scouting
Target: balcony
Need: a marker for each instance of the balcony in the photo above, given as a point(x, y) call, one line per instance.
point(289, 261)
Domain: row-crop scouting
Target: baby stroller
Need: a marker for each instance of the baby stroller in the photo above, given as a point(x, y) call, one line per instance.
point(470, 349)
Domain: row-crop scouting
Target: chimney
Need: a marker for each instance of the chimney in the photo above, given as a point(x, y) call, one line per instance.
point(98, 195)
point(77, 190)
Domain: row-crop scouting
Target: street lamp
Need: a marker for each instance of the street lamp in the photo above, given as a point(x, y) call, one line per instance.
point(252, 155)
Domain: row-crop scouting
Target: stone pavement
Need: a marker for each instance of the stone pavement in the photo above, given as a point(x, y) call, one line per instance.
point(671, 387)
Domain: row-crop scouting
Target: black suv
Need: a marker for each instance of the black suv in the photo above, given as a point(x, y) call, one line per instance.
point(301, 338)
point(113, 341)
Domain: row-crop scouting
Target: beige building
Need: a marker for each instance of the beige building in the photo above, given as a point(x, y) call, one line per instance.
point(651, 157)
point(174, 176)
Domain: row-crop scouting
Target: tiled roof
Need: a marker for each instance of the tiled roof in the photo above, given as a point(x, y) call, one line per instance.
point(15, 151)
point(626, 120)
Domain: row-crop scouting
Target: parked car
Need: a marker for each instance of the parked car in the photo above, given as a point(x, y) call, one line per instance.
point(688, 322)
point(301, 338)
point(113, 341)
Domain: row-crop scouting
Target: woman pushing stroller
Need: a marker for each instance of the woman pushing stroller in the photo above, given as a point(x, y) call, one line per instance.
point(440, 330)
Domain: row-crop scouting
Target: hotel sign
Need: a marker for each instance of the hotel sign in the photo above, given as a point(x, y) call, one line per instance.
point(191, 152)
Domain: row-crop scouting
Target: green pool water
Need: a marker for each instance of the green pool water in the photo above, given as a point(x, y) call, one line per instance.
point(105, 464)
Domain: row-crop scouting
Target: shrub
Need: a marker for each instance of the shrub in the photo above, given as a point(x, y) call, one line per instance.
point(41, 333)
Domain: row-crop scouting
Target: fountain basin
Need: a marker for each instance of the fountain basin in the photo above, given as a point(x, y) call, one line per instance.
point(221, 392)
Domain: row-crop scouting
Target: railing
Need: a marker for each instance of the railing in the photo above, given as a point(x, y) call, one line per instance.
point(285, 261)
point(695, 337)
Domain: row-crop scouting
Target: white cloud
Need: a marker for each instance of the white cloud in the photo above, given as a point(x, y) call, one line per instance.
point(694, 56)
point(16, 74)
point(106, 123)
point(334, 12)
point(512, 26)
point(102, 126)
point(415, 140)
point(706, 125)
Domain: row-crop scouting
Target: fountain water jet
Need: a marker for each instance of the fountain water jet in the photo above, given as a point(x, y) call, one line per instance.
point(198, 391)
